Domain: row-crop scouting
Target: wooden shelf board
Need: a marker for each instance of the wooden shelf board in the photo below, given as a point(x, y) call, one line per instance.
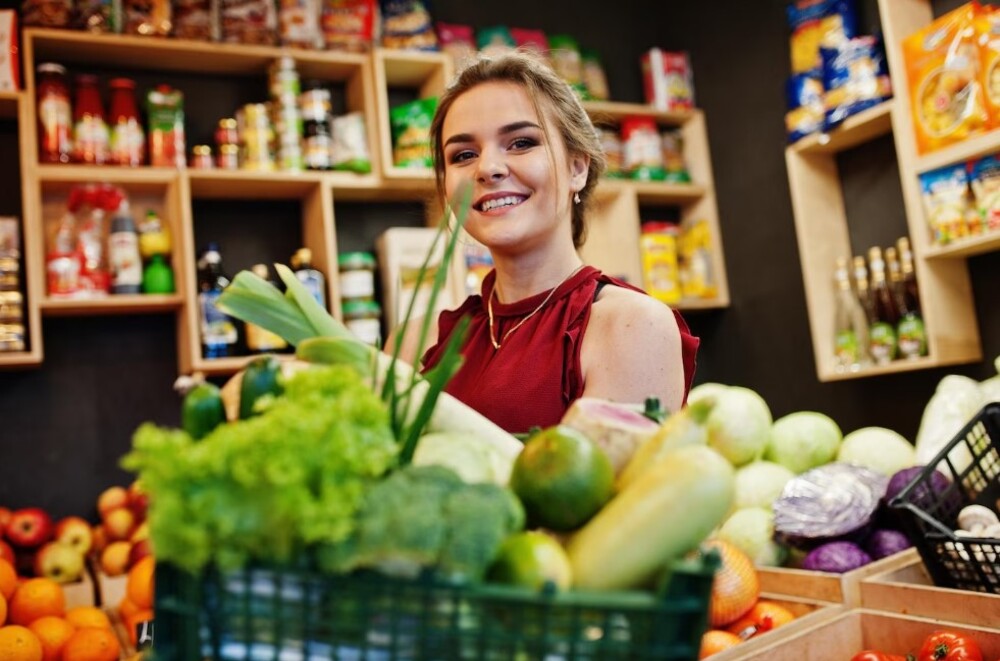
point(8, 104)
point(18, 359)
point(243, 184)
point(614, 111)
point(111, 305)
point(184, 55)
point(61, 177)
point(696, 304)
point(967, 247)
point(652, 192)
point(974, 147)
point(227, 366)
point(405, 68)
point(895, 367)
point(856, 130)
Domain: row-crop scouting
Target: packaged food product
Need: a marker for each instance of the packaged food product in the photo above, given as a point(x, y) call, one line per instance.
point(12, 337)
point(165, 113)
point(95, 16)
point(298, 23)
point(855, 78)
point(411, 123)
point(642, 148)
point(193, 20)
point(673, 157)
point(594, 79)
point(248, 22)
point(614, 156)
point(349, 143)
point(458, 41)
point(357, 276)
point(494, 40)
point(148, 18)
point(984, 179)
point(364, 319)
point(565, 55)
point(91, 139)
point(10, 66)
point(667, 80)
point(529, 39)
point(658, 247)
point(804, 94)
point(348, 25)
point(10, 237)
point(55, 116)
point(47, 13)
point(943, 74)
point(128, 141)
point(987, 28)
point(406, 24)
point(817, 24)
point(945, 194)
point(201, 157)
point(696, 272)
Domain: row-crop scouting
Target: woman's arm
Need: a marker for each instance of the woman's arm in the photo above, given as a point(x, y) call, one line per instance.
point(410, 339)
point(632, 350)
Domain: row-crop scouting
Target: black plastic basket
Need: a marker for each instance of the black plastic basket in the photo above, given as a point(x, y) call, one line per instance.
point(267, 613)
point(931, 516)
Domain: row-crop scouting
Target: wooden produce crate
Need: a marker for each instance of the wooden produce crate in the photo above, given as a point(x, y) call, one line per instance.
point(827, 586)
point(842, 637)
point(909, 590)
point(808, 613)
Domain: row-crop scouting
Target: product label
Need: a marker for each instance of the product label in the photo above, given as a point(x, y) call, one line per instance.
point(846, 347)
point(314, 282)
point(56, 119)
point(357, 284)
point(123, 256)
point(367, 330)
point(883, 342)
point(91, 140)
point(128, 143)
point(912, 337)
point(216, 327)
point(259, 339)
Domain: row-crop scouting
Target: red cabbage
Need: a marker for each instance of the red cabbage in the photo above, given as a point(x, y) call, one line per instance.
point(829, 503)
point(884, 542)
point(836, 557)
point(933, 490)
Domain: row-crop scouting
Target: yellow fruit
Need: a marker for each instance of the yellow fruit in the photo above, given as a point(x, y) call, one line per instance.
point(532, 559)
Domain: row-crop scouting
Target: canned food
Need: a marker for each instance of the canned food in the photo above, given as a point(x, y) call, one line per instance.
point(229, 157)
point(201, 157)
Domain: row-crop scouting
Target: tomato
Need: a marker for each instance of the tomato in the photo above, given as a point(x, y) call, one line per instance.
point(872, 655)
point(949, 646)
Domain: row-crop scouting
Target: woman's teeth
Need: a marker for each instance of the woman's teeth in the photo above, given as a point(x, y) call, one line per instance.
point(496, 203)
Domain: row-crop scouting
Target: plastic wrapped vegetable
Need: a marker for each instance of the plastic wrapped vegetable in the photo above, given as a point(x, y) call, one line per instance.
point(829, 503)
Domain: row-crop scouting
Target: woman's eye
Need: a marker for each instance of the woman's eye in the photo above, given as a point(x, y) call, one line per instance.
point(460, 156)
point(523, 143)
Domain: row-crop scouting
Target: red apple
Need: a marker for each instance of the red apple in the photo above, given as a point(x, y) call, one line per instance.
point(29, 527)
point(111, 498)
point(4, 519)
point(7, 553)
point(114, 558)
point(100, 538)
point(118, 523)
point(139, 550)
point(75, 531)
point(138, 500)
point(59, 561)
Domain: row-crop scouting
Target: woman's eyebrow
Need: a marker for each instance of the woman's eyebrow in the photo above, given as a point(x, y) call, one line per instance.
point(506, 128)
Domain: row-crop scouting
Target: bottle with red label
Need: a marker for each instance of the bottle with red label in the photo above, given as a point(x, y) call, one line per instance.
point(128, 140)
point(91, 144)
point(54, 115)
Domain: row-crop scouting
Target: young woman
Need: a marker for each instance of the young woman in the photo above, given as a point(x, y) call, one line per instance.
point(546, 329)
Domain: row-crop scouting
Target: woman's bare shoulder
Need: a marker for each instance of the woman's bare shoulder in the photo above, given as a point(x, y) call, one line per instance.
point(409, 339)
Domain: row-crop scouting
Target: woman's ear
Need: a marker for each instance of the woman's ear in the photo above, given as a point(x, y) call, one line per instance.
point(579, 168)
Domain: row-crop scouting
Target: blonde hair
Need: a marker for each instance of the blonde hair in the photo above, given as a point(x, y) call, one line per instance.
point(540, 82)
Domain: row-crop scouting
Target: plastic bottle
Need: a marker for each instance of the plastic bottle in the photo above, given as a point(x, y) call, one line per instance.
point(123, 252)
point(158, 276)
point(91, 141)
point(219, 334)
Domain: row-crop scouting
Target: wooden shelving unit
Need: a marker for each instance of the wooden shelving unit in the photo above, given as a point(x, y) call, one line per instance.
point(821, 221)
point(366, 81)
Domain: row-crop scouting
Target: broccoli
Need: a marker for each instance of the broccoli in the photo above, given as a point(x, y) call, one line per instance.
point(426, 517)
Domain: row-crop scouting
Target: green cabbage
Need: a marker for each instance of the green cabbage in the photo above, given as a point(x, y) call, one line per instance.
point(739, 424)
point(752, 531)
point(877, 448)
point(759, 483)
point(803, 440)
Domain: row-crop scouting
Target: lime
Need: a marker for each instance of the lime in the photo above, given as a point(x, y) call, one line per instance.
point(562, 478)
point(532, 559)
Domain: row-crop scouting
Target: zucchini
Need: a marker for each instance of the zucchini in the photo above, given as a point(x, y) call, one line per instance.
point(262, 376)
point(686, 427)
point(665, 512)
point(202, 410)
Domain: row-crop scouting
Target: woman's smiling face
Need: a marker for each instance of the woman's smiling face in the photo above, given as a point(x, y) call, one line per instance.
point(516, 163)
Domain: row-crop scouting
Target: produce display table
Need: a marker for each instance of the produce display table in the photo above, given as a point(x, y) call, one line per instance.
point(808, 614)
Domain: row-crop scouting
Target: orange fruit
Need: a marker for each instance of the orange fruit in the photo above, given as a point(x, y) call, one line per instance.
point(716, 640)
point(52, 632)
point(562, 478)
point(133, 620)
point(736, 586)
point(92, 644)
point(126, 608)
point(3, 610)
point(139, 584)
point(8, 579)
point(17, 643)
point(87, 616)
point(35, 598)
point(765, 615)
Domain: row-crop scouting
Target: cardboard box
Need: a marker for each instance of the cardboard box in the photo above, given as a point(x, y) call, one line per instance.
point(808, 613)
point(667, 80)
point(840, 638)
point(908, 589)
point(826, 586)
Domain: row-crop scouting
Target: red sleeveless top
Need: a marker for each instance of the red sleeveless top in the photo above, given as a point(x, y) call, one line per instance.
point(534, 377)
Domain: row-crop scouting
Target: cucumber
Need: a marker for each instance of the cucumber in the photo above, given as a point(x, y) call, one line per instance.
point(665, 512)
point(202, 410)
point(261, 376)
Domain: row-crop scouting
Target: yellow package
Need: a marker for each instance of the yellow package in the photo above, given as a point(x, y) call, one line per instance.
point(658, 246)
point(943, 73)
point(696, 275)
point(987, 27)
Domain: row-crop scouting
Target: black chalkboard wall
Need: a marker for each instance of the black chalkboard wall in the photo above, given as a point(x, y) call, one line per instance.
point(64, 425)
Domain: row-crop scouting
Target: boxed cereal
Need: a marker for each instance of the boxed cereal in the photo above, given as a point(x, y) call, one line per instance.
point(667, 80)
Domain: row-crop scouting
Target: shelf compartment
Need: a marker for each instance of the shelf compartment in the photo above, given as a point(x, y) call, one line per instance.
point(111, 305)
point(229, 365)
point(185, 55)
point(20, 359)
point(243, 184)
point(856, 130)
point(983, 144)
point(614, 111)
point(898, 366)
point(967, 247)
point(56, 178)
point(654, 192)
point(9, 102)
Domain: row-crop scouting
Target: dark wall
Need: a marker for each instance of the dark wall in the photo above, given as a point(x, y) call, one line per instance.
point(63, 426)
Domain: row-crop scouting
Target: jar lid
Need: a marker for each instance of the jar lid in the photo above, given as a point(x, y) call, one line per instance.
point(121, 83)
point(659, 226)
point(356, 260)
point(229, 149)
point(202, 150)
point(355, 308)
point(51, 67)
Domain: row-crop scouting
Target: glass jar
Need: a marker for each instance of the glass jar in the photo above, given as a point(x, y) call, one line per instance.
point(128, 140)
point(226, 133)
point(91, 142)
point(229, 157)
point(201, 157)
point(55, 118)
point(357, 276)
point(364, 319)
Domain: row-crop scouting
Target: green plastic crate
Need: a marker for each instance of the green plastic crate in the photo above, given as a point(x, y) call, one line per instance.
point(288, 614)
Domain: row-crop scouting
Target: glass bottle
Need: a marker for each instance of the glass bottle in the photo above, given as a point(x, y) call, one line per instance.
point(55, 118)
point(123, 252)
point(91, 143)
point(313, 279)
point(128, 140)
point(862, 289)
point(882, 334)
point(910, 331)
point(850, 324)
point(218, 330)
point(260, 340)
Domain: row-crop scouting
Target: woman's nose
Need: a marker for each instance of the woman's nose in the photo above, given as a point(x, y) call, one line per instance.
point(492, 169)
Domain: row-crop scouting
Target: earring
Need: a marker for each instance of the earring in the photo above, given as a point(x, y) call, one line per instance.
point(576, 197)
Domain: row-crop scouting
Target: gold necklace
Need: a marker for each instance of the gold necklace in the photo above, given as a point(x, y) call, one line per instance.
point(489, 309)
